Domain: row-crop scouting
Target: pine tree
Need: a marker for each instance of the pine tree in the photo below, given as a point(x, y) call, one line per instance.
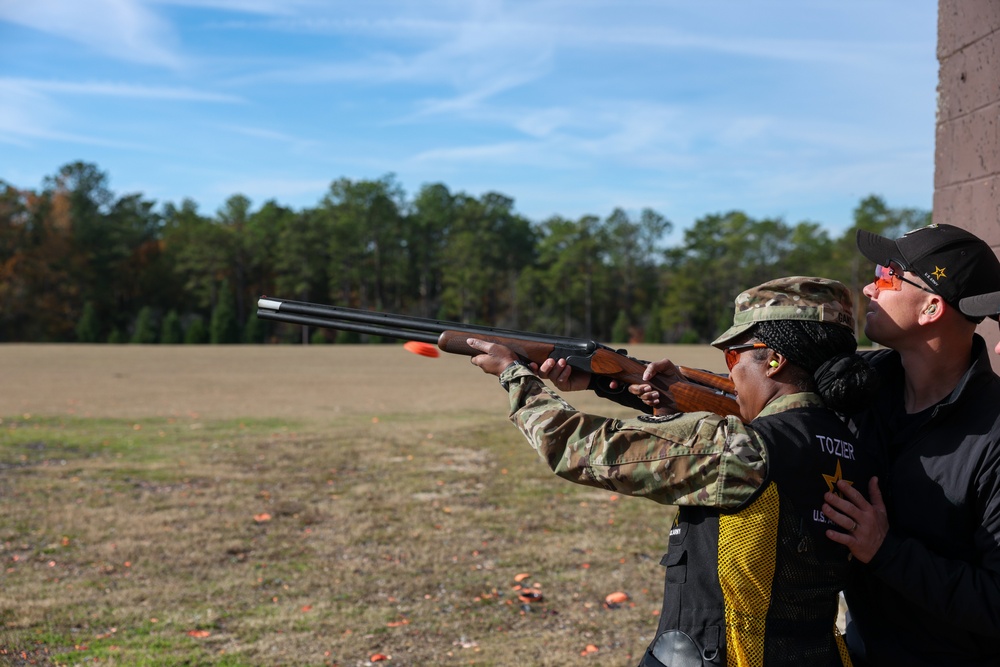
point(172, 332)
point(619, 331)
point(223, 330)
point(254, 330)
point(654, 332)
point(197, 333)
point(88, 329)
point(145, 330)
point(347, 338)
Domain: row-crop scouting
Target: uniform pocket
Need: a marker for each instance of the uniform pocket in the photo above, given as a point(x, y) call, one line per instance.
point(676, 563)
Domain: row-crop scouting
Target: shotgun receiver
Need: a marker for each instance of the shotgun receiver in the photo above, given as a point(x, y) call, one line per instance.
point(695, 390)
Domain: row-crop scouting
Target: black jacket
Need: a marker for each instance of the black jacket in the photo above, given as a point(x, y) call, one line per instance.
point(931, 595)
point(769, 595)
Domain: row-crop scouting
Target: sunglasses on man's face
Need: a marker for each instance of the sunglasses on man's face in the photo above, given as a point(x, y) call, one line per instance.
point(733, 353)
point(890, 278)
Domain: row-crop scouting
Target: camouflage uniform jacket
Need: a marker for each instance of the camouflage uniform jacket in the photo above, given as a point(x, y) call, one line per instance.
point(695, 458)
point(750, 577)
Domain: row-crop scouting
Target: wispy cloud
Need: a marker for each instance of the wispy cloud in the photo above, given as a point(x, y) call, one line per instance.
point(123, 29)
point(297, 144)
point(26, 117)
point(481, 28)
point(31, 110)
point(262, 7)
point(107, 89)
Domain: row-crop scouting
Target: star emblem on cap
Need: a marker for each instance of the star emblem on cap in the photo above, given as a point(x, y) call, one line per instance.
point(939, 273)
point(831, 480)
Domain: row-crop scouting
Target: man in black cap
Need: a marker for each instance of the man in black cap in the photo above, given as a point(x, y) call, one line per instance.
point(929, 593)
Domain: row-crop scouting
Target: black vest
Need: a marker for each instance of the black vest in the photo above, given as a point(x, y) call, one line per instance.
point(759, 585)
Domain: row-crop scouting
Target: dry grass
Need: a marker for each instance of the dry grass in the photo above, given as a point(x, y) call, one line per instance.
point(320, 384)
point(313, 506)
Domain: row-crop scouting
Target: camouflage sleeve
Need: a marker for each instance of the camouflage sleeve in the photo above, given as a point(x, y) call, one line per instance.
point(696, 458)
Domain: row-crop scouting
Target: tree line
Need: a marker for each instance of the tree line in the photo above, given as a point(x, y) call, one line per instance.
point(80, 263)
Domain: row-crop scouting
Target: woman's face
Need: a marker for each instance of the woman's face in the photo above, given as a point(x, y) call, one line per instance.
point(754, 389)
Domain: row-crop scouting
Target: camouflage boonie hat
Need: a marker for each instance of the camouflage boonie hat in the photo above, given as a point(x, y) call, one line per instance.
point(792, 298)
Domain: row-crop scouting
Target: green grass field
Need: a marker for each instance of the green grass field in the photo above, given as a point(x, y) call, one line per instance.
point(294, 506)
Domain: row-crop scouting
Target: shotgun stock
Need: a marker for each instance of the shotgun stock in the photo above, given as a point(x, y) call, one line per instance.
point(693, 391)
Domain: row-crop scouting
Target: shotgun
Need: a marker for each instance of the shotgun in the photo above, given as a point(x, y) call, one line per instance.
point(695, 390)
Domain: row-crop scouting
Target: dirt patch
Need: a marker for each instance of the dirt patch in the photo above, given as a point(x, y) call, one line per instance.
point(316, 383)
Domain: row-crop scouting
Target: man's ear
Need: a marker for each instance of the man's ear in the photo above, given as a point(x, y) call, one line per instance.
point(934, 309)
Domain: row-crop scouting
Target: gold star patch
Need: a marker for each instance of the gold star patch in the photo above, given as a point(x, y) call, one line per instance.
point(831, 480)
point(939, 272)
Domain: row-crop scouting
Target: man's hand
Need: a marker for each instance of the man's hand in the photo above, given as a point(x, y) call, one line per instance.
point(495, 358)
point(645, 392)
point(866, 523)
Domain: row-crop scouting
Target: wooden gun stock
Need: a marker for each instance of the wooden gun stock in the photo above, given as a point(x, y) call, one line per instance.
point(707, 378)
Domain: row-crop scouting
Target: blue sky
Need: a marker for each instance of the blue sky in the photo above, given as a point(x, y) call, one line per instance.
point(778, 108)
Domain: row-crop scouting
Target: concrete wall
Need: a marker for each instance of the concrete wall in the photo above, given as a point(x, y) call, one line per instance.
point(967, 150)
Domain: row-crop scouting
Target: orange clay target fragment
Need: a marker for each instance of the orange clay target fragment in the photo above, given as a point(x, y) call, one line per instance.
point(423, 349)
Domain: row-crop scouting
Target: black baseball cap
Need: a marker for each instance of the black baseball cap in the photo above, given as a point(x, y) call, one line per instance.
point(954, 262)
point(983, 305)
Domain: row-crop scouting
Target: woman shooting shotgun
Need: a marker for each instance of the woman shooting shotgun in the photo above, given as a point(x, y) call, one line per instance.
point(751, 578)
